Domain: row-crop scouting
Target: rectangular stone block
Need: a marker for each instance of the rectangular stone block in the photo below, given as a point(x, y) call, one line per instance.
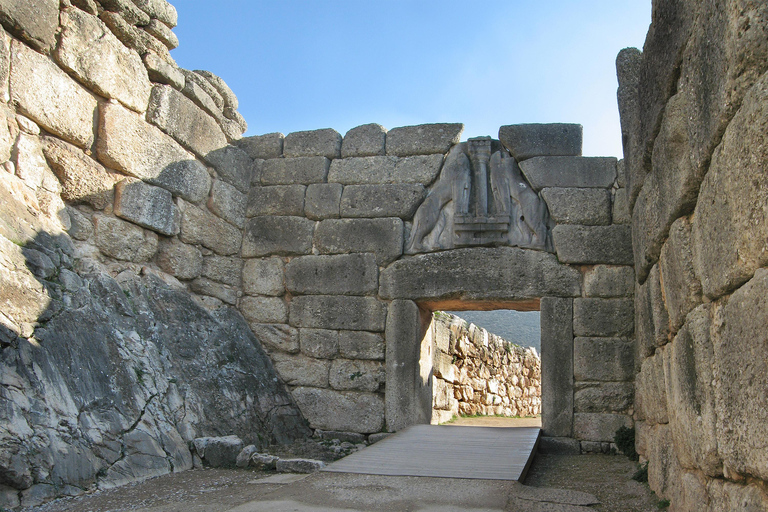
point(300, 370)
point(361, 345)
point(346, 274)
point(346, 411)
point(163, 72)
point(615, 397)
point(603, 317)
point(383, 237)
point(569, 171)
point(263, 276)
point(365, 140)
point(323, 201)
point(421, 169)
point(682, 288)
point(651, 316)
point(370, 201)
point(228, 203)
point(233, 166)
point(320, 343)
point(122, 240)
point(265, 146)
point(291, 171)
point(348, 374)
point(598, 426)
point(611, 245)
point(326, 142)
point(35, 23)
point(338, 312)
point(48, 96)
point(179, 259)
point(603, 359)
point(585, 206)
point(530, 140)
point(264, 310)
point(148, 206)
point(609, 281)
point(621, 213)
point(651, 390)
point(223, 269)
point(265, 236)
point(276, 200)
point(557, 367)
point(199, 226)
point(424, 139)
point(277, 337)
point(224, 293)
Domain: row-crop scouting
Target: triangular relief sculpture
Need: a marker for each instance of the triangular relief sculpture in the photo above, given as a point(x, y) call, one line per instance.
point(481, 198)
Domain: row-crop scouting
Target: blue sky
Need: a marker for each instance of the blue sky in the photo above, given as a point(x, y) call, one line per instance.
point(310, 64)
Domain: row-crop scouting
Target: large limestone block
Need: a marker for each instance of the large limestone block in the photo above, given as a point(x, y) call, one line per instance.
point(291, 171)
point(263, 276)
point(740, 343)
point(323, 201)
point(228, 203)
point(122, 240)
point(628, 63)
point(199, 226)
point(52, 99)
point(504, 273)
point(209, 288)
point(585, 206)
point(688, 374)
point(730, 225)
point(264, 310)
point(369, 201)
point(319, 343)
point(163, 72)
point(603, 317)
point(277, 337)
point(557, 367)
point(35, 23)
point(265, 236)
point(132, 36)
point(361, 345)
point(346, 274)
point(163, 33)
point(89, 50)
point(263, 146)
point(299, 370)
point(132, 146)
point(609, 281)
point(224, 269)
point(228, 97)
point(375, 170)
point(620, 209)
point(365, 140)
point(348, 374)
point(651, 316)
point(233, 166)
point(610, 245)
point(423, 139)
point(180, 118)
point(148, 206)
point(604, 397)
point(338, 312)
point(603, 359)
point(276, 200)
point(732, 496)
point(181, 260)
point(588, 426)
point(569, 171)
point(663, 467)
point(326, 142)
point(525, 141)
point(682, 288)
point(383, 237)
point(159, 9)
point(345, 411)
point(651, 390)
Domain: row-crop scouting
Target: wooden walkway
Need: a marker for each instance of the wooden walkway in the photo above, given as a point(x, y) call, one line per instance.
point(486, 453)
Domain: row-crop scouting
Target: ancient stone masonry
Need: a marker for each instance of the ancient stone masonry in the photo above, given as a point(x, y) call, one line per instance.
point(694, 115)
point(479, 373)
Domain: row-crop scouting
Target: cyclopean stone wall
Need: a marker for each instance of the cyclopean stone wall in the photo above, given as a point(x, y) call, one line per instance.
point(479, 373)
point(694, 114)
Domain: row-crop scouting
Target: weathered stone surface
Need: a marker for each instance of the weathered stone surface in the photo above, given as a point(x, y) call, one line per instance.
point(265, 236)
point(162, 71)
point(338, 312)
point(179, 259)
point(148, 206)
point(134, 147)
point(199, 226)
point(122, 240)
point(507, 273)
point(81, 228)
point(621, 207)
point(218, 452)
point(132, 36)
point(610, 245)
point(603, 359)
point(557, 367)
point(361, 345)
point(263, 276)
point(586, 206)
point(127, 10)
point(731, 496)
point(289, 171)
point(608, 281)
point(228, 97)
point(319, 343)
point(651, 391)
point(651, 317)
point(277, 337)
point(603, 317)
point(663, 467)
point(223, 269)
point(598, 426)
point(348, 374)
point(364, 140)
point(298, 465)
point(740, 344)
point(180, 118)
point(348, 411)
point(346, 274)
point(369, 201)
point(47, 95)
point(276, 200)
point(228, 203)
point(384, 237)
point(569, 171)
point(628, 64)
point(30, 162)
point(559, 446)
point(233, 165)
point(731, 217)
point(163, 33)
point(423, 139)
point(202, 93)
point(264, 310)
point(326, 142)
point(89, 50)
point(375, 170)
point(263, 146)
point(159, 9)
point(525, 141)
point(604, 397)
point(224, 293)
point(323, 201)
point(682, 289)
point(35, 23)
